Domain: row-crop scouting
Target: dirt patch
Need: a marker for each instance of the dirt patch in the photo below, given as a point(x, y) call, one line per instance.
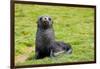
point(21, 58)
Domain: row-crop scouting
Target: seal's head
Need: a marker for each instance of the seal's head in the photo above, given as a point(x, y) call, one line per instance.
point(44, 22)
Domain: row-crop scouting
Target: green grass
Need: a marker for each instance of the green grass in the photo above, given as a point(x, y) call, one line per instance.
point(71, 24)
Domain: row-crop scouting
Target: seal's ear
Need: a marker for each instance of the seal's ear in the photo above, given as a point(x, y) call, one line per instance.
point(38, 19)
point(52, 22)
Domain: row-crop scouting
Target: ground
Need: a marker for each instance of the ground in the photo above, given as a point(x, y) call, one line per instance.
point(72, 25)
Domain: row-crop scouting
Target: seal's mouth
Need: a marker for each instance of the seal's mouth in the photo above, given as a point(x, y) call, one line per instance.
point(45, 22)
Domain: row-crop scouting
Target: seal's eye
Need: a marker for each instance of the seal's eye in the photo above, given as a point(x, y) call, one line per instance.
point(40, 18)
point(50, 19)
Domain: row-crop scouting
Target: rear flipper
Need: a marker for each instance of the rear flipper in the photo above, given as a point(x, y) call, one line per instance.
point(67, 47)
point(60, 47)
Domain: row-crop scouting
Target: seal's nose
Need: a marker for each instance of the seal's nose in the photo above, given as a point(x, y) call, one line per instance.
point(45, 19)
